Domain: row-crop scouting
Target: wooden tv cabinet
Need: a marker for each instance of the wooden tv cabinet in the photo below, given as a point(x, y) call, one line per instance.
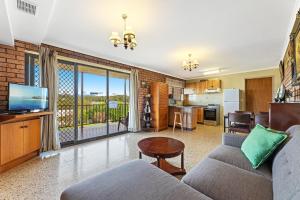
point(20, 138)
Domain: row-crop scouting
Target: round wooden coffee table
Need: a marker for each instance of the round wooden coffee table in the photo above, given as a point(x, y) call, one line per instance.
point(162, 148)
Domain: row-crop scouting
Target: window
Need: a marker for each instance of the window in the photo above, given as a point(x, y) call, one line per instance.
point(32, 70)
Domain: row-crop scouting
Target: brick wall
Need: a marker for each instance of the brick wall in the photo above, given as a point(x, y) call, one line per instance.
point(12, 61)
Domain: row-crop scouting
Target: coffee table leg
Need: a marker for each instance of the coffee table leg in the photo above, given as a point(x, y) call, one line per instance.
point(158, 162)
point(140, 155)
point(182, 160)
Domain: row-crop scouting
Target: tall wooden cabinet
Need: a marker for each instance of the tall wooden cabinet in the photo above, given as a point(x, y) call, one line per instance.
point(160, 103)
point(20, 138)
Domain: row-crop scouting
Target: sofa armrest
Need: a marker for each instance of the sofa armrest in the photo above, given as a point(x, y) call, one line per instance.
point(235, 140)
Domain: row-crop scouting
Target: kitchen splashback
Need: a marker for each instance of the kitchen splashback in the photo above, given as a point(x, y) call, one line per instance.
point(205, 99)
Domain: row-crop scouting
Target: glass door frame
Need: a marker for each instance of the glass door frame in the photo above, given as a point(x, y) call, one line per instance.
point(76, 117)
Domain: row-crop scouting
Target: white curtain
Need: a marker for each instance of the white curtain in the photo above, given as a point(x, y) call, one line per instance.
point(134, 123)
point(48, 63)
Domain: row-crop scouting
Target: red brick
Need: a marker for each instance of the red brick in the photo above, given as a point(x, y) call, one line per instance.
point(6, 74)
point(19, 44)
point(15, 80)
point(3, 84)
point(22, 58)
point(3, 92)
point(20, 76)
point(3, 103)
point(3, 88)
point(20, 67)
point(10, 65)
point(5, 55)
point(2, 59)
point(3, 98)
point(16, 71)
point(21, 49)
point(8, 51)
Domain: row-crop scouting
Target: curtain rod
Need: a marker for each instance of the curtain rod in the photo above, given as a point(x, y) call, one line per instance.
point(83, 62)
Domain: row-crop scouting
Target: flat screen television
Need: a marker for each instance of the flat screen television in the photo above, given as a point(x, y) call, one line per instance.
point(27, 98)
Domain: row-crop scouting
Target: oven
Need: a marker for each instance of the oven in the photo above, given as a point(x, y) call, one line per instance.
point(212, 114)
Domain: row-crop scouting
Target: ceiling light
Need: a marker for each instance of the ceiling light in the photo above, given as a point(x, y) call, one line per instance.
point(128, 39)
point(190, 63)
point(212, 72)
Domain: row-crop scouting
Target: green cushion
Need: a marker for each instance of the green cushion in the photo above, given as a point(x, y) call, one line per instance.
point(260, 144)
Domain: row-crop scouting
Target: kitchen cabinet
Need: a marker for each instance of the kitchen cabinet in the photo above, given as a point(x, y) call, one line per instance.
point(160, 103)
point(189, 116)
point(201, 86)
point(200, 115)
point(213, 84)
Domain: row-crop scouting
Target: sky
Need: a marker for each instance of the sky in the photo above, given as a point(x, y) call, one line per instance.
point(25, 91)
point(97, 83)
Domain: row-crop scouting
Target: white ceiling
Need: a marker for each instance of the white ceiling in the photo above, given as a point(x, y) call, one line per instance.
point(232, 35)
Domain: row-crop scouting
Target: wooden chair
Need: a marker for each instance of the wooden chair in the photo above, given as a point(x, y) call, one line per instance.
point(239, 122)
point(244, 112)
point(262, 119)
point(124, 121)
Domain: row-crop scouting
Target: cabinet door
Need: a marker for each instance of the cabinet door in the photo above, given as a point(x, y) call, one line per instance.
point(210, 84)
point(32, 135)
point(11, 141)
point(200, 115)
point(216, 84)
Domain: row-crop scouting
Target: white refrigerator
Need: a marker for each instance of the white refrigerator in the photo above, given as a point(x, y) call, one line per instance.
point(231, 100)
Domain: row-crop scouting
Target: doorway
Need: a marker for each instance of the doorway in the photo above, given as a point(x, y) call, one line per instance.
point(258, 94)
point(91, 102)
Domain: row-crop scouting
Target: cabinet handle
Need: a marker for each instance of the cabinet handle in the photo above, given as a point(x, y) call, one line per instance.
point(23, 126)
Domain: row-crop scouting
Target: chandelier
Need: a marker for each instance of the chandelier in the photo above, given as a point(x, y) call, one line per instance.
point(190, 63)
point(128, 37)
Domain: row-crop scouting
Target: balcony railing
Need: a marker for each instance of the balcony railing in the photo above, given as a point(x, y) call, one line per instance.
point(90, 114)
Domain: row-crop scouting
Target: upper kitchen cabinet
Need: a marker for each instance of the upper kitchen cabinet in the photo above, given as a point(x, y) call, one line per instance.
point(213, 84)
point(201, 87)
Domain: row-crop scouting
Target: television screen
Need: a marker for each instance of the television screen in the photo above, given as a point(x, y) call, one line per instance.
point(23, 97)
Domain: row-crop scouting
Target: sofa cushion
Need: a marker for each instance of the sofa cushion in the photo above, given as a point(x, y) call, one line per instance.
point(135, 180)
point(234, 156)
point(260, 144)
point(222, 181)
point(286, 168)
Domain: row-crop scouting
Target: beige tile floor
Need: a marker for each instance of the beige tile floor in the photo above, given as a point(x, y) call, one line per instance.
point(47, 178)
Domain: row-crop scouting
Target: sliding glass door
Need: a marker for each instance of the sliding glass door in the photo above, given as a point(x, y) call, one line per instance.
point(118, 102)
point(92, 102)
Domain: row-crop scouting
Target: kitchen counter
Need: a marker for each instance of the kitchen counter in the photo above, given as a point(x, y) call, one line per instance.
point(190, 115)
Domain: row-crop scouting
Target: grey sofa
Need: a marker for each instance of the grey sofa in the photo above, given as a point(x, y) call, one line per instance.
point(225, 174)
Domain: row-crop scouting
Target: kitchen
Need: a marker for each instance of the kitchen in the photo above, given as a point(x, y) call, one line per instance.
point(196, 103)
point(227, 93)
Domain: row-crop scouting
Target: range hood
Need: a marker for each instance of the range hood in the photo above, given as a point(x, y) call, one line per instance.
point(215, 90)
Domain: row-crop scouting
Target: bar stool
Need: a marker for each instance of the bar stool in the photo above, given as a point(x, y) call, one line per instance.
point(175, 120)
